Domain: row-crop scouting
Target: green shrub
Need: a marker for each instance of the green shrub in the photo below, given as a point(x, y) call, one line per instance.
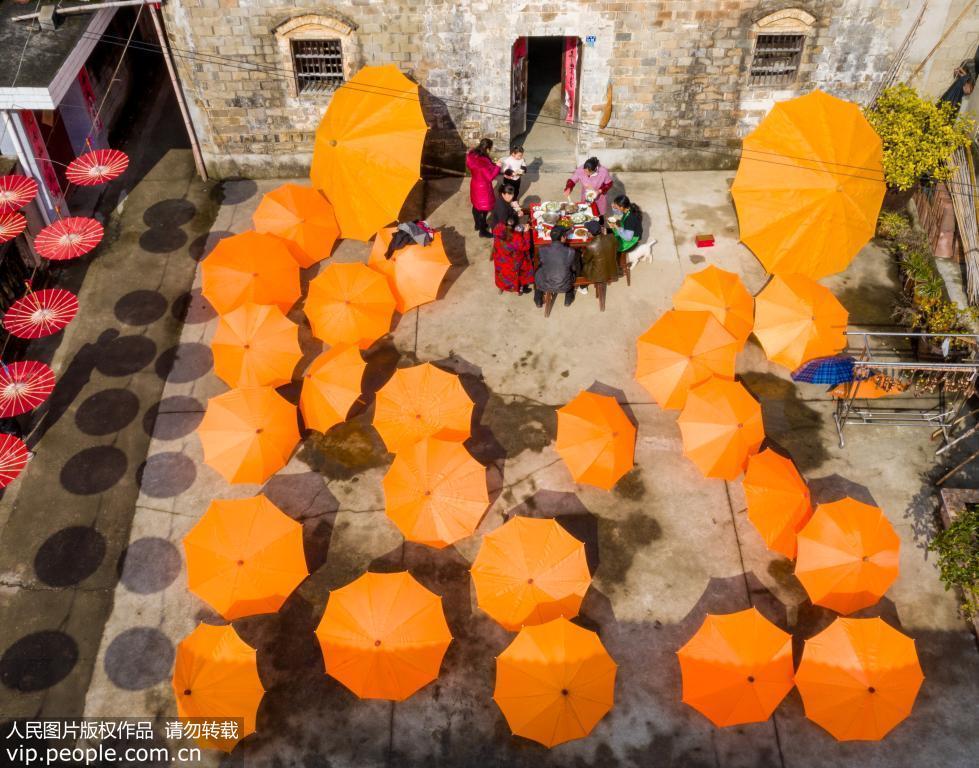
point(892, 225)
point(958, 558)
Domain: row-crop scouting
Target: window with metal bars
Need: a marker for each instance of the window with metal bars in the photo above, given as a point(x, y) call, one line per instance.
point(776, 59)
point(318, 65)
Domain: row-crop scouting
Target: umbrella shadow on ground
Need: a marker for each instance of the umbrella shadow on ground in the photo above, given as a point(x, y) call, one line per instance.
point(305, 498)
point(835, 487)
point(309, 345)
point(600, 388)
point(442, 141)
point(455, 250)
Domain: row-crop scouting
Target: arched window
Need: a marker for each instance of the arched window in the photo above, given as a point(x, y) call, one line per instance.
point(319, 50)
point(780, 44)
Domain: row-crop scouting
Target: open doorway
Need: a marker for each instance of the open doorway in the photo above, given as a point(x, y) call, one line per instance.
point(544, 96)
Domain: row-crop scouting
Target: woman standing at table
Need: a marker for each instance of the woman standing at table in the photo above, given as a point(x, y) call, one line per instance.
point(595, 182)
point(512, 265)
point(483, 171)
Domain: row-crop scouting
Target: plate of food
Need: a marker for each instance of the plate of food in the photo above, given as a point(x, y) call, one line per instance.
point(579, 218)
point(550, 218)
point(612, 219)
point(581, 233)
point(551, 207)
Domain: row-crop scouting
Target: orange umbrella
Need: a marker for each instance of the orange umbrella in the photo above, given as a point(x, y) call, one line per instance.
point(778, 500)
point(596, 439)
point(681, 350)
point(858, 678)
point(331, 386)
point(797, 319)
point(303, 218)
point(422, 401)
point(848, 555)
point(736, 668)
point(721, 428)
point(215, 677)
point(554, 682)
point(809, 186)
point(383, 636)
point(529, 571)
point(244, 557)
point(723, 295)
point(414, 272)
point(255, 345)
point(435, 492)
point(367, 154)
point(349, 304)
point(870, 389)
point(248, 434)
point(250, 267)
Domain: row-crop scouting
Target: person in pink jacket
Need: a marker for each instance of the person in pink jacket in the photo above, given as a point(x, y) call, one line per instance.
point(483, 171)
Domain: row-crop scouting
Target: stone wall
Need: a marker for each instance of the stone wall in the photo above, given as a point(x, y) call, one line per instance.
point(678, 70)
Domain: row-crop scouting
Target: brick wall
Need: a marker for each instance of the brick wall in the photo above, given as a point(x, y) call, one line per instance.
point(678, 69)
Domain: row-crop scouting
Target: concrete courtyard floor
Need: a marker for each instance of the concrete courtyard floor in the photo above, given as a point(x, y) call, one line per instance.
point(666, 545)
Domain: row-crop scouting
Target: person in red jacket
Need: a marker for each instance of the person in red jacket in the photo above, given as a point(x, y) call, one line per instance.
point(483, 171)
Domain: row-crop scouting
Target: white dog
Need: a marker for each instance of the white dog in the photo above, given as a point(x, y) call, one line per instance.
point(642, 252)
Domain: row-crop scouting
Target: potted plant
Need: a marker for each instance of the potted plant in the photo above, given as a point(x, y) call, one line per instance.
point(937, 315)
point(958, 558)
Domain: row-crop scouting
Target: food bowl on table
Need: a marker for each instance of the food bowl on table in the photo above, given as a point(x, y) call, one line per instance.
point(581, 233)
point(579, 218)
point(551, 207)
point(550, 219)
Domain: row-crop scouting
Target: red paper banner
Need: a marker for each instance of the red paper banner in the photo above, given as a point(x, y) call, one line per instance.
point(570, 76)
point(40, 153)
point(88, 92)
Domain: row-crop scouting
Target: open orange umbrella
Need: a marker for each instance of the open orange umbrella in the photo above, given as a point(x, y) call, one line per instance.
point(414, 272)
point(722, 294)
point(303, 218)
point(215, 677)
point(349, 304)
point(596, 439)
point(422, 401)
point(435, 492)
point(248, 434)
point(721, 428)
point(797, 319)
point(848, 555)
point(244, 557)
point(529, 571)
point(736, 668)
point(681, 350)
point(554, 682)
point(331, 385)
point(255, 345)
point(778, 500)
point(809, 185)
point(250, 267)
point(383, 636)
point(858, 678)
point(367, 154)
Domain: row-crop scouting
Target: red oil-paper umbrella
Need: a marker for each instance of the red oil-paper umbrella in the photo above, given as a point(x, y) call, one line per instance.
point(11, 225)
point(13, 458)
point(24, 386)
point(41, 313)
point(16, 191)
point(68, 238)
point(97, 167)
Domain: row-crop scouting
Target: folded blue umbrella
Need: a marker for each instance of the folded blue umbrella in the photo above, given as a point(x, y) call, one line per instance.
point(825, 370)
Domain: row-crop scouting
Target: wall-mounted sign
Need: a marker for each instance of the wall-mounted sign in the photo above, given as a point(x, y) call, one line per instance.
point(590, 41)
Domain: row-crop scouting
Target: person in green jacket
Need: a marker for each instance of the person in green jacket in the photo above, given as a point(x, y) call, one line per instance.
point(627, 226)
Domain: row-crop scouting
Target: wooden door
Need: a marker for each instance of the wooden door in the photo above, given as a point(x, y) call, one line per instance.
point(518, 89)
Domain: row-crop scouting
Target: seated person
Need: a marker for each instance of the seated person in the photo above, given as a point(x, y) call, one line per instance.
point(628, 224)
point(600, 257)
point(558, 264)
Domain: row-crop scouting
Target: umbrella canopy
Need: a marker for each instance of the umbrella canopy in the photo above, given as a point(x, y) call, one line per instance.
point(13, 458)
point(350, 304)
point(16, 191)
point(11, 225)
point(215, 677)
point(870, 389)
point(244, 557)
point(250, 267)
point(367, 154)
point(797, 319)
point(778, 500)
point(97, 167)
point(414, 272)
point(255, 345)
point(809, 186)
point(681, 350)
point(248, 434)
point(595, 439)
point(68, 238)
point(530, 571)
point(383, 636)
point(858, 678)
point(736, 668)
point(848, 555)
point(24, 386)
point(303, 218)
point(40, 313)
point(331, 385)
point(825, 370)
point(435, 492)
point(554, 682)
point(422, 401)
point(721, 428)
point(722, 294)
